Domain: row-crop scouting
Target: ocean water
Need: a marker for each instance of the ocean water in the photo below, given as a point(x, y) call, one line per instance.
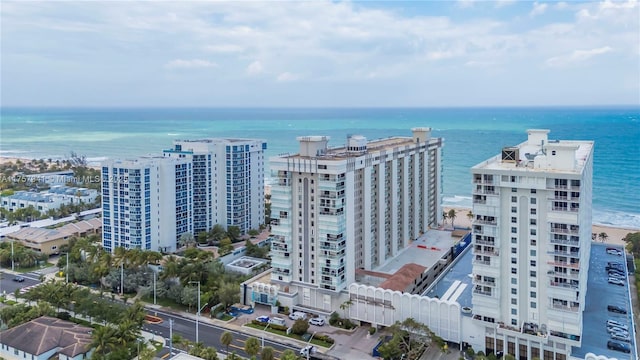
point(471, 135)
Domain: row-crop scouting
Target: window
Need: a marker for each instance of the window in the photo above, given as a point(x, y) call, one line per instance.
point(532, 294)
point(514, 281)
point(533, 201)
point(533, 305)
point(514, 230)
point(514, 291)
point(533, 263)
point(533, 222)
point(514, 322)
point(514, 199)
point(533, 242)
point(553, 152)
point(514, 250)
point(514, 301)
point(532, 273)
point(514, 219)
point(532, 252)
point(514, 261)
point(533, 191)
point(533, 231)
point(514, 311)
point(514, 209)
point(514, 270)
point(533, 211)
point(532, 284)
point(514, 240)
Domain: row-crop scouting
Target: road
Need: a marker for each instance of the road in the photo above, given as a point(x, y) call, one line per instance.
point(208, 334)
point(8, 286)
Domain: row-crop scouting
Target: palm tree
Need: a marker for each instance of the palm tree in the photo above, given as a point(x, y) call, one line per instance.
point(346, 305)
point(252, 347)
point(209, 353)
point(470, 215)
point(603, 236)
point(104, 340)
point(444, 218)
point(226, 339)
point(288, 355)
point(170, 269)
point(267, 353)
point(452, 215)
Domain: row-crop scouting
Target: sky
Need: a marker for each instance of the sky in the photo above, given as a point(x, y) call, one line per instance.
point(319, 53)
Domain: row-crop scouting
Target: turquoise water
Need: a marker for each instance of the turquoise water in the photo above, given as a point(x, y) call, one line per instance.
point(471, 136)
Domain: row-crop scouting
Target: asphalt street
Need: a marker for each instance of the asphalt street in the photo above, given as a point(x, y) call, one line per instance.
point(208, 334)
point(8, 286)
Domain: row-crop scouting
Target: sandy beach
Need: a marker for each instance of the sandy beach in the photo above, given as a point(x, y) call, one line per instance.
point(614, 234)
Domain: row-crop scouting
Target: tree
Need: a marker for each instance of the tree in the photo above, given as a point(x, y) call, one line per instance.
point(444, 218)
point(470, 215)
point(300, 327)
point(288, 355)
point(267, 353)
point(594, 236)
point(603, 236)
point(226, 339)
point(391, 349)
point(252, 347)
point(452, 215)
point(233, 232)
point(203, 237)
point(229, 294)
point(633, 243)
point(104, 340)
point(189, 296)
point(186, 240)
point(345, 306)
point(411, 336)
point(225, 247)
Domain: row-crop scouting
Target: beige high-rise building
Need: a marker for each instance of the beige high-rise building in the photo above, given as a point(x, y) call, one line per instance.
point(531, 245)
point(351, 207)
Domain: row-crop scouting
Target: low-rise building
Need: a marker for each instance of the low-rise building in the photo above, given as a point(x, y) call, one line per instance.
point(51, 199)
point(48, 241)
point(46, 338)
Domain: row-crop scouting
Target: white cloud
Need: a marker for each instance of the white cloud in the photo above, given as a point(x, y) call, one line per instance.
point(287, 77)
point(465, 4)
point(503, 3)
point(538, 9)
point(561, 5)
point(190, 64)
point(576, 56)
point(254, 68)
point(224, 48)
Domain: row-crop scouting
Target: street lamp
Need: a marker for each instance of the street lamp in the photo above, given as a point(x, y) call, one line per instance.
point(154, 287)
point(66, 271)
point(265, 329)
point(198, 313)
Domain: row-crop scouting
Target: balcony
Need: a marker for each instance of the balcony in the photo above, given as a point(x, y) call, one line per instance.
point(482, 262)
point(486, 252)
point(485, 222)
point(485, 242)
point(574, 276)
point(565, 307)
point(484, 282)
point(563, 285)
point(482, 293)
point(565, 242)
point(574, 254)
point(558, 230)
point(564, 264)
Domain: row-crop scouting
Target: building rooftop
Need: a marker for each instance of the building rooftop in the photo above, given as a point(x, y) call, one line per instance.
point(31, 196)
point(595, 316)
point(420, 255)
point(45, 333)
point(41, 235)
point(455, 284)
point(539, 153)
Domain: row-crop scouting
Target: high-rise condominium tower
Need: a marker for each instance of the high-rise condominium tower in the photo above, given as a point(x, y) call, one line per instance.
point(356, 206)
point(531, 245)
point(228, 181)
point(146, 202)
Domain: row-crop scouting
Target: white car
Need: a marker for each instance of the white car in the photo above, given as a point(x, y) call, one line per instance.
point(612, 251)
point(316, 321)
point(615, 281)
point(297, 315)
point(308, 350)
point(613, 323)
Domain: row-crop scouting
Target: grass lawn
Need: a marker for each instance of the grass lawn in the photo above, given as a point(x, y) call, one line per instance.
point(292, 336)
point(165, 302)
point(34, 268)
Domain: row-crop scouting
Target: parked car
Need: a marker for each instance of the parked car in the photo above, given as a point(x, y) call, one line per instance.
point(263, 319)
point(616, 309)
point(613, 329)
point(316, 321)
point(621, 337)
point(245, 309)
point(618, 346)
point(615, 281)
point(296, 315)
point(18, 279)
point(277, 321)
point(308, 350)
point(614, 251)
point(615, 323)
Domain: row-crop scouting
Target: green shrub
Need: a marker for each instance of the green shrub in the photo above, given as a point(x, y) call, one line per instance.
point(372, 330)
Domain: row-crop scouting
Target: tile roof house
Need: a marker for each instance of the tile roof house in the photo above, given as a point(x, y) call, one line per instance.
point(48, 241)
point(45, 337)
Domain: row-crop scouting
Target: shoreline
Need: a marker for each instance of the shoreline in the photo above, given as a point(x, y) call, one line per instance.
point(614, 233)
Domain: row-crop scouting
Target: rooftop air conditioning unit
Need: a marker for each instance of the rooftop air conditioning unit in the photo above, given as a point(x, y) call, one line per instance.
point(510, 154)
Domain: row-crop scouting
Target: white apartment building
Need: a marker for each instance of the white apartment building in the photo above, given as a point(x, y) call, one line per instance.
point(352, 207)
point(147, 203)
point(51, 199)
point(228, 181)
point(531, 246)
